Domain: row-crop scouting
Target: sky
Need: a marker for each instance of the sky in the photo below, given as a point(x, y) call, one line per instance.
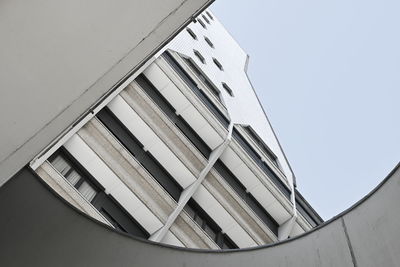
point(328, 76)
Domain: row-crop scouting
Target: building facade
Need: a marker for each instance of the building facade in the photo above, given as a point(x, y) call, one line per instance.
point(182, 153)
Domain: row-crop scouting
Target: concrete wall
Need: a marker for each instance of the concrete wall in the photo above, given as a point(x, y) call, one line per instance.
point(38, 228)
point(59, 57)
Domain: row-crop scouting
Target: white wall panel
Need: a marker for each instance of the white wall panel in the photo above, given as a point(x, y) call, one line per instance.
point(267, 198)
point(151, 141)
point(210, 136)
point(183, 106)
point(156, 76)
point(175, 97)
point(230, 156)
point(132, 121)
point(276, 211)
point(215, 210)
point(171, 239)
point(253, 184)
point(112, 184)
point(193, 116)
point(242, 239)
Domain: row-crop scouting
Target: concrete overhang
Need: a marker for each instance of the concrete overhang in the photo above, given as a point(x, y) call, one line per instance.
point(39, 228)
point(60, 58)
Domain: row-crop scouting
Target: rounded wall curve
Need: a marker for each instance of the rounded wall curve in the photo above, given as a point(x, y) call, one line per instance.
point(38, 228)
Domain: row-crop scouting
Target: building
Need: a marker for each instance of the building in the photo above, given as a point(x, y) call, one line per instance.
point(182, 153)
point(178, 151)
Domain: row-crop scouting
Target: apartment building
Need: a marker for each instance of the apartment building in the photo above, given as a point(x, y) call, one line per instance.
point(182, 153)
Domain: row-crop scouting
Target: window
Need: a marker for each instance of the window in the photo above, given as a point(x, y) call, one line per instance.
point(202, 23)
point(91, 190)
point(205, 222)
point(64, 164)
point(257, 139)
point(216, 62)
point(208, 41)
point(133, 145)
point(208, 13)
point(227, 89)
point(191, 33)
point(202, 77)
point(204, 149)
point(199, 56)
point(192, 85)
point(206, 19)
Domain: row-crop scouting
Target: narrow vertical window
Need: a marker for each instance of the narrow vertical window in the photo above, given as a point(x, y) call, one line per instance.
point(208, 41)
point(73, 173)
point(206, 19)
point(93, 192)
point(191, 33)
point(205, 222)
point(211, 17)
point(202, 23)
point(199, 56)
point(218, 64)
point(227, 89)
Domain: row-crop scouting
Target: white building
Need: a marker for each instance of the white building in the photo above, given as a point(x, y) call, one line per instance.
point(182, 153)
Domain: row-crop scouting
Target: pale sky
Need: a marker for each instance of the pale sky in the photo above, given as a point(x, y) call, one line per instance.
point(328, 75)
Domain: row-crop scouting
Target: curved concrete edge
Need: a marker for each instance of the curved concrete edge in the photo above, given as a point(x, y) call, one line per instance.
point(38, 228)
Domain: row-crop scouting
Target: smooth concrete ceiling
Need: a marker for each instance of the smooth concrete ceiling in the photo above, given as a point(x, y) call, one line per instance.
point(59, 57)
point(41, 229)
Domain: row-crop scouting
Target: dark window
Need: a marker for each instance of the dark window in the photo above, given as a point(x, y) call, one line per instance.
point(208, 41)
point(128, 140)
point(308, 212)
point(151, 164)
point(261, 144)
point(206, 19)
point(169, 110)
point(191, 33)
point(208, 13)
point(208, 225)
point(202, 23)
point(205, 150)
point(228, 89)
point(202, 77)
point(65, 164)
point(199, 56)
point(264, 166)
point(218, 64)
point(90, 189)
point(193, 86)
point(118, 216)
point(225, 122)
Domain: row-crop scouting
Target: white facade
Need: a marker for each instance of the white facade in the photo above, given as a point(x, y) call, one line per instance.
point(173, 151)
point(244, 107)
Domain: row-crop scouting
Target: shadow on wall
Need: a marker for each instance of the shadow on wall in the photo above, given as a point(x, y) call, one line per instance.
point(38, 228)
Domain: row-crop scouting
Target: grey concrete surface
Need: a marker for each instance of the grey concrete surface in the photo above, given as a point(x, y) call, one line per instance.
point(38, 228)
point(59, 57)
